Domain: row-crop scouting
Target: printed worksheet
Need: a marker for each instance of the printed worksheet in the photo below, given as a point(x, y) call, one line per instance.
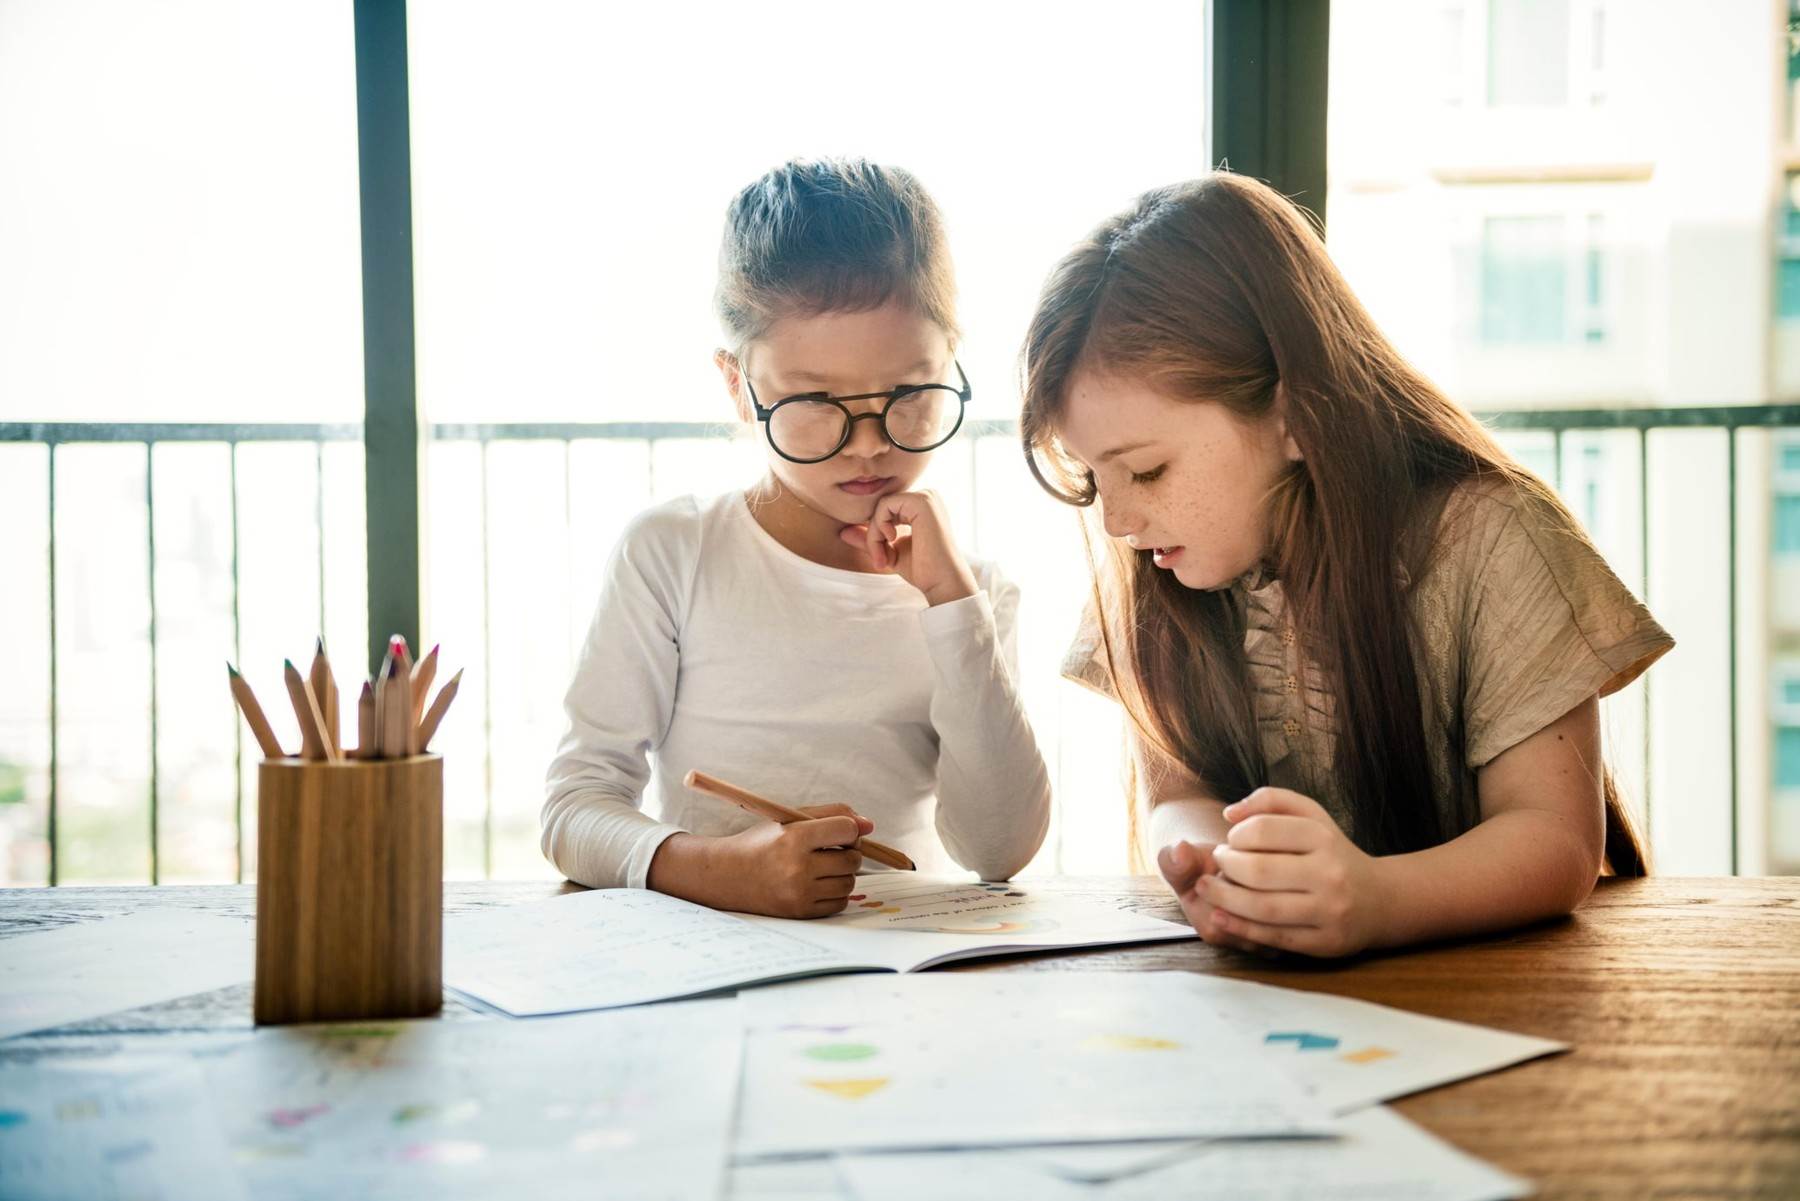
point(1377, 1156)
point(95, 968)
point(872, 1062)
point(1349, 1053)
point(612, 947)
point(626, 946)
point(636, 1103)
point(132, 1128)
point(944, 921)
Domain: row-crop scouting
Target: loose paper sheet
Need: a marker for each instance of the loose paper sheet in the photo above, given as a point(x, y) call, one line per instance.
point(92, 969)
point(1379, 1156)
point(635, 1103)
point(994, 1059)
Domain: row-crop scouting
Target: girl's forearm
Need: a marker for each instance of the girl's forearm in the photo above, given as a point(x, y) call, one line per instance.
point(1516, 867)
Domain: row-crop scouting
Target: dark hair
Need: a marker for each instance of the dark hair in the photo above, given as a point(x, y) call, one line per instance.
point(831, 235)
point(1220, 291)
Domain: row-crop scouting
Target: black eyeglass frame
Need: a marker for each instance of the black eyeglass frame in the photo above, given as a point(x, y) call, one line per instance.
point(893, 396)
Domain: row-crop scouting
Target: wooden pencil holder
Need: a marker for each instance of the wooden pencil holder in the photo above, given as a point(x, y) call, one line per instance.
point(349, 889)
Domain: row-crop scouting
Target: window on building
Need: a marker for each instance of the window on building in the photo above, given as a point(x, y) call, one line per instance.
point(1523, 280)
point(1528, 53)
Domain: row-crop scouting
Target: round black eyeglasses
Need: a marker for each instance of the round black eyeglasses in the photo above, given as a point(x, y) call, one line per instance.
point(814, 426)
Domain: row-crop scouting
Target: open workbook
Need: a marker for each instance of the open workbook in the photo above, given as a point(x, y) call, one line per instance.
point(627, 946)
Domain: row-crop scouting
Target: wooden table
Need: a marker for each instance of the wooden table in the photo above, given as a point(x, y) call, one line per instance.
point(1681, 997)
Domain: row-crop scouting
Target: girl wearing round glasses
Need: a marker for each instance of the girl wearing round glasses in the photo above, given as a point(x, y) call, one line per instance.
point(816, 638)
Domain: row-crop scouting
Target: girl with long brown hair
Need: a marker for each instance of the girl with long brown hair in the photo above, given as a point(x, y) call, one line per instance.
point(1361, 647)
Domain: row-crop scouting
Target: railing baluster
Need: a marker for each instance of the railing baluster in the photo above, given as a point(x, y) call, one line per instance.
point(237, 655)
point(319, 526)
point(1644, 594)
point(487, 685)
point(55, 760)
point(150, 531)
point(1731, 618)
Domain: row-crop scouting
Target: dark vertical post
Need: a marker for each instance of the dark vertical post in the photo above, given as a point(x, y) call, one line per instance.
point(1269, 77)
point(392, 424)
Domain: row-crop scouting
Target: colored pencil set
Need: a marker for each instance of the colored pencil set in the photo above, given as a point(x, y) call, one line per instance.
point(392, 719)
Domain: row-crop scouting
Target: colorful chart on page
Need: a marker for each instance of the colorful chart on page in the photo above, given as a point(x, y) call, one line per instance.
point(1349, 1053)
point(641, 1098)
point(971, 1060)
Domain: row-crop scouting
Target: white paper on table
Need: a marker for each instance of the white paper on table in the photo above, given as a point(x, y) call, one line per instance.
point(633, 1103)
point(92, 969)
point(815, 1179)
point(1378, 1156)
point(992, 1060)
point(135, 1127)
point(627, 946)
point(1351, 1053)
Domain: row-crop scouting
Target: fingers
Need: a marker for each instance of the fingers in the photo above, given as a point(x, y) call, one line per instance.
point(826, 906)
point(862, 823)
point(836, 831)
point(1272, 908)
point(837, 865)
point(1276, 800)
point(1276, 832)
point(1203, 917)
point(1182, 863)
point(1272, 871)
point(1304, 939)
point(835, 885)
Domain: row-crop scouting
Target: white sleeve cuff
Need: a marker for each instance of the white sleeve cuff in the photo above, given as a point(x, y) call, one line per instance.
point(643, 850)
point(947, 620)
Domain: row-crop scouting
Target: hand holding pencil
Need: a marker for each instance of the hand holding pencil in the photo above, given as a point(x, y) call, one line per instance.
point(699, 781)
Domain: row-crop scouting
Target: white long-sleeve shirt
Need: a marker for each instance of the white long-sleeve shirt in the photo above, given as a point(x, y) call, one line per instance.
point(715, 647)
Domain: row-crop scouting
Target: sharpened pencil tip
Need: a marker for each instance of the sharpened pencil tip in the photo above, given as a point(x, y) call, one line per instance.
point(231, 669)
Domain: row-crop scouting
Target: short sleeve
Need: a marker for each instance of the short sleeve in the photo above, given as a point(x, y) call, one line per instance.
point(1085, 660)
point(1548, 625)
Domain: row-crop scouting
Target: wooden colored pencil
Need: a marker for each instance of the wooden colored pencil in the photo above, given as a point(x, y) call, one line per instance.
point(422, 676)
point(365, 723)
point(306, 708)
point(397, 644)
point(382, 675)
point(254, 716)
point(435, 715)
point(699, 781)
point(396, 708)
point(325, 690)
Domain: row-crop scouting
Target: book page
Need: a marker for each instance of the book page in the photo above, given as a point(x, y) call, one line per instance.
point(907, 922)
point(616, 946)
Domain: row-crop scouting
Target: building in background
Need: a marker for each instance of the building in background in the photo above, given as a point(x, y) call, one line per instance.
point(1560, 204)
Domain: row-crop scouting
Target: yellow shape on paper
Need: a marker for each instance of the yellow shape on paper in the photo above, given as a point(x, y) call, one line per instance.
point(1368, 1055)
point(851, 1090)
point(1130, 1042)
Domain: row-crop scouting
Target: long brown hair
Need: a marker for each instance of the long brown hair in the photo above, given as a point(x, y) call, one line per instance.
point(1220, 291)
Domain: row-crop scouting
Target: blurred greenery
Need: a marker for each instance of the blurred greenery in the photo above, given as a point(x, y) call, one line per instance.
point(12, 783)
